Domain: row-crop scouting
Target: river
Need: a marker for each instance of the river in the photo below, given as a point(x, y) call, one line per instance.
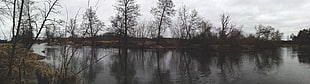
point(285, 65)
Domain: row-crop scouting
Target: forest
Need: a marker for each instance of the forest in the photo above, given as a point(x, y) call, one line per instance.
point(31, 24)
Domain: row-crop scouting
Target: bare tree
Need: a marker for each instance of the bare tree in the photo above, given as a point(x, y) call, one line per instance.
point(32, 16)
point(276, 36)
point(150, 29)
point(20, 12)
point(14, 39)
point(182, 23)
point(143, 30)
point(204, 31)
point(268, 33)
point(116, 26)
point(188, 23)
point(54, 29)
point(66, 65)
point(176, 32)
point(50, 32)
point(225, 26)
point(140, 30)
point(45, 13)
point(163, 13)
point(127, 14)
point(12, 7)
point(71, 28)
point(26, 34)
point(91, 25)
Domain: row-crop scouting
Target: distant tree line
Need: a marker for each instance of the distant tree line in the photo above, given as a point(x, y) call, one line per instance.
point(125, 24)
point(302, 37)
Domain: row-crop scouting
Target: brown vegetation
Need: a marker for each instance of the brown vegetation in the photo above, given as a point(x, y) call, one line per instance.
point(27, 69)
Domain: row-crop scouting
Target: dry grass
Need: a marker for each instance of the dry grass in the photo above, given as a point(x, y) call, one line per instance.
point(32, 70)
point(107, 42)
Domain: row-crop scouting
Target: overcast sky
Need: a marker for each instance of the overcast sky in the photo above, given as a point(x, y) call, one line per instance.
point(289, 16)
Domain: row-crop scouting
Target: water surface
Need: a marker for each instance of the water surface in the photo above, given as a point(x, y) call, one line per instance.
point(285, 65)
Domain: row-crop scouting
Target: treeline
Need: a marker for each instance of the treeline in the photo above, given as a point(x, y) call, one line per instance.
point(302, 37)
point(30, 23)
point(187, 25)
point(184, 23)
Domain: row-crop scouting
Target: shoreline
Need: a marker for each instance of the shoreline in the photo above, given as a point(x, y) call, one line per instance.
point(26, 61)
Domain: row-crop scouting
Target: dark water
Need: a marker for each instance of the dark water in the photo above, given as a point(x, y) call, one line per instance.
point(285, 65)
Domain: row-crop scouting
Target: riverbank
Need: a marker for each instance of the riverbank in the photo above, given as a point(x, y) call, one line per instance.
point(145, 62)
point(27, 69)
point(169, 43)
point(164, 43)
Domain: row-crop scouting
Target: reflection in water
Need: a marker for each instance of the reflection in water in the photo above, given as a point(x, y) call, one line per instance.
point(151, 66)
point(92, 68)
point(303, 55)
point(266, 60)
point(123, 68)
point(75, 60)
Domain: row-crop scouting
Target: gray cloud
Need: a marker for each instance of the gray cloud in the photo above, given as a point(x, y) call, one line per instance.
point(289, 16)
point(286, 15)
